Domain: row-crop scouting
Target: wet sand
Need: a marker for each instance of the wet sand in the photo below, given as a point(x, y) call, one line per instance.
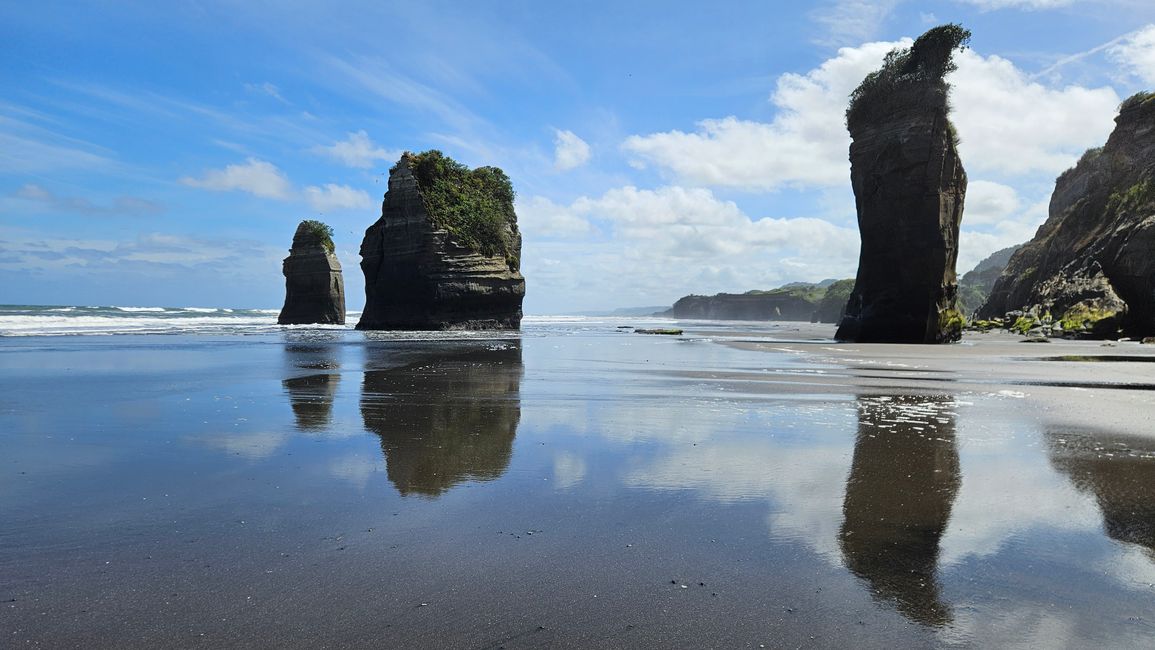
point(738, 486)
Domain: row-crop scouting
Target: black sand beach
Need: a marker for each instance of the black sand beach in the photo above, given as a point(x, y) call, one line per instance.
point(577, 486)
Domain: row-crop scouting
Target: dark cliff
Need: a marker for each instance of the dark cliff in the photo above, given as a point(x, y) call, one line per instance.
point(1091, 265)
point(314, 286)
point(909, 187)
point(446, 251)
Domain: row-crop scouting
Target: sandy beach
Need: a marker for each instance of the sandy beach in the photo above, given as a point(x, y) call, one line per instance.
point(741, 485)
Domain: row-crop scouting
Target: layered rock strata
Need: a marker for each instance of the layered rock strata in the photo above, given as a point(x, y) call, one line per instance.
point(424, 266)
point(909, 186)
point(1091, 265)
point(314, 286)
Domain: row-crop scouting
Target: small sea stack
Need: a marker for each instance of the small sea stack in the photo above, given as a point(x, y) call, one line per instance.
point(314, 286)
point(909, 186)
point(446, 252)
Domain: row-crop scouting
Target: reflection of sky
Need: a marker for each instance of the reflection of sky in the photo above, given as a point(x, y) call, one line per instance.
point(610, 426)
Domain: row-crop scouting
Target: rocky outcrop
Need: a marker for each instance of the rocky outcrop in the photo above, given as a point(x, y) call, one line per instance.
point(797, 301)
point(832, 307)
point(909, 187)
point(1091, 265)
point(445, 252)
point(976, 284)
point(314, 286)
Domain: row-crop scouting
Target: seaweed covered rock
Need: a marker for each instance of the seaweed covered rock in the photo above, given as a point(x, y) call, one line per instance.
point(909, 187)
point(314, 286)
point(1091, 265)
point(445, 253)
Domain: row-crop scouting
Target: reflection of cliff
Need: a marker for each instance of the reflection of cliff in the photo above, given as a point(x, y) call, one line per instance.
point(899, 496)
point(1119, 481)
point(311, 396)
point(447, 415)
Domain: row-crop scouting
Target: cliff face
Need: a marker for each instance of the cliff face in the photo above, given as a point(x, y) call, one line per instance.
point(909, 187)
point(314, 286)
point(420, 275)
point(1092, 263)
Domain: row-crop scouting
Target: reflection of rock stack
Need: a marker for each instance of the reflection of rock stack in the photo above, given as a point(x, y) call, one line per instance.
point(311, 396)
point(1120, 482)
point(448, 416)
point(899, 496)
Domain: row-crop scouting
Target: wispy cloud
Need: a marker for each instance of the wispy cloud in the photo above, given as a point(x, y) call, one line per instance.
point(852, 22)
point(356, 150)
point(121, 205)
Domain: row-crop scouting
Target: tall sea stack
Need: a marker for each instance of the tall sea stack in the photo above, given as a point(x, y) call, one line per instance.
point(909, 187)
point(446, 251)
point(1091, 265)
point(314, 287)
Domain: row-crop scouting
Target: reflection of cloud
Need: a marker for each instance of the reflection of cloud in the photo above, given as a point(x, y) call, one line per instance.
point(355, 468)
point(254, 446)
point(568, 470)
point(803, 482)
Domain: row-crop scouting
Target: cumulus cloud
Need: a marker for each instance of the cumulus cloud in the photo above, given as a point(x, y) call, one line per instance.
point(358, 151)
point(256, 177)
point(1008, 124)
point(1136, 54)
point(336, 197)
point(263, 179)
point(570, 151)
point(988, 202)
point(805, 144)
point(654, 245)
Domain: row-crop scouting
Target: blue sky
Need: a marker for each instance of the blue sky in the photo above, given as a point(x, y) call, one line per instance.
point(163, 153)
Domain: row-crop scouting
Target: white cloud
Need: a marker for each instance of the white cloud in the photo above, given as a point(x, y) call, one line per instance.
point(988, 202)
point(805, 144)
point(1010, 124)
point(357, 150)
point(255, 176)
point(570, 151)
point(1030, 5)
point(337, 197)
point(540, 217)
point(266, 88)
point(1136, 52)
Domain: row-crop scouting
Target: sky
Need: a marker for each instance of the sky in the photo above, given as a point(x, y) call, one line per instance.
point(162, 154)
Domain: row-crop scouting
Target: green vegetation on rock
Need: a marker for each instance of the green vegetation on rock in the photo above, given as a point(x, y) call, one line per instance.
point(1084, 317)
point(924, 64)
point(474, 205)
point(322, 231)
point(951, 323)
point(1133, 197)
point(1138, 99)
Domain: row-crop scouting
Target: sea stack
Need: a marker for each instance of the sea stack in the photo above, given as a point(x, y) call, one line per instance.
point(909, 187)
point(314, 287)
point(446, 251)
point(1091, 265)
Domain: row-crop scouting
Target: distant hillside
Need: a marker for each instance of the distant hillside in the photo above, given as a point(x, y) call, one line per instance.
point(976, 284)
point(798, 301)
